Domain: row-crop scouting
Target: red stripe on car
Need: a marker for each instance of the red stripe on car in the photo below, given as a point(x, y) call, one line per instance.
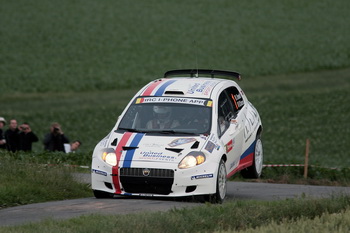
point(118, 152)
point(151, 87)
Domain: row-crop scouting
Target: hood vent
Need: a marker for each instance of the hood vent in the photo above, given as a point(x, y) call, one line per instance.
point(115, 142)
point(130, 147)
point(176, 150)
point(195, 145)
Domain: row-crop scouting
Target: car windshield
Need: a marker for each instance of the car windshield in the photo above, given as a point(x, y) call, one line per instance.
point(168, 118)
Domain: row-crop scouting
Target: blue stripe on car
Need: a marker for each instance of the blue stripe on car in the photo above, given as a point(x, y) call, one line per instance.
point(161, 89)
point(249, 150)
point(130, 153)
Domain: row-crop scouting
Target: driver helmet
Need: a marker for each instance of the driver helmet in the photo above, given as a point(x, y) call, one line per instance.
point(162, 112)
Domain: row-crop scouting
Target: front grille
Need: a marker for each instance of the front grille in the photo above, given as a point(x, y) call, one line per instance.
point(138, 172)
point(155, 181)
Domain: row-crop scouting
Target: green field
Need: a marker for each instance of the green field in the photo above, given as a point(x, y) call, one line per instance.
point(79, 63)
point(50, 46)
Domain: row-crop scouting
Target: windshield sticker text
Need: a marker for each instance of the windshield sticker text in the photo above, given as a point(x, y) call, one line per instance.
point(173, 100)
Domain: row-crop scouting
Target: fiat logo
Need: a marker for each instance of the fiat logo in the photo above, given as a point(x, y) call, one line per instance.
point(146, 172)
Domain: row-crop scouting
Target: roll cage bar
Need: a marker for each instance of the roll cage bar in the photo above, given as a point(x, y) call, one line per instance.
point(196, 72)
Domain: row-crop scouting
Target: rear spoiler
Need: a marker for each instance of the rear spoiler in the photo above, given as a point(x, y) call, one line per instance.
point(196, 72)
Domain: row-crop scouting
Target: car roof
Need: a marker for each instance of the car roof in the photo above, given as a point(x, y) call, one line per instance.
point(201, 87)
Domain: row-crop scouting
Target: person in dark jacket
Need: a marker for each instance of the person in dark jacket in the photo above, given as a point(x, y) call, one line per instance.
point(55, 140)
point(12, 136)
point(2, 138)
point(26, 137)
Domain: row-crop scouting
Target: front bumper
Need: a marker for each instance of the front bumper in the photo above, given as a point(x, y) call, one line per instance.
point(146, 179)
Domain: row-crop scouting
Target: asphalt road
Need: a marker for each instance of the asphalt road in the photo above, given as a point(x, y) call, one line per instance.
point(122, 205)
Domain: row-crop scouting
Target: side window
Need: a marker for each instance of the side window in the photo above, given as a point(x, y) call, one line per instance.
point(225, 113)
point(236, 99)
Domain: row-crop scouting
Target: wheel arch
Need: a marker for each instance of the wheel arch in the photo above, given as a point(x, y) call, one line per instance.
point(224, 157)
point(259, 131)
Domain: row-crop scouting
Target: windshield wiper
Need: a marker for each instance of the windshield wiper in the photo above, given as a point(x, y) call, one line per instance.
point(130, 130)
point(175, 132)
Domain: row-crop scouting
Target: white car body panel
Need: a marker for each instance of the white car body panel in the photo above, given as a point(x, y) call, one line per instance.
point(147, 153)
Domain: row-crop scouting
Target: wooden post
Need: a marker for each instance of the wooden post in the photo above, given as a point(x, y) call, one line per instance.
point(306, 157)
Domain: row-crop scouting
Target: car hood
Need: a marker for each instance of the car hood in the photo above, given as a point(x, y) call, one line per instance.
point(151, 148)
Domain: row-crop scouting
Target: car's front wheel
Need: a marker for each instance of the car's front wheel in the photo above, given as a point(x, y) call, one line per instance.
point(255, 170)
point(221, 185)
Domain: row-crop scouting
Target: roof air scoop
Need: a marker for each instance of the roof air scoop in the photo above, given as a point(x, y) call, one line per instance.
point(174, 93)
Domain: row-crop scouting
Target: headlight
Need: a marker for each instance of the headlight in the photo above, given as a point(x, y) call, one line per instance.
point(192, 159)
point(109, 157)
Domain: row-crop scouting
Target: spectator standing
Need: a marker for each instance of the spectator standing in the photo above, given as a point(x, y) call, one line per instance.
point(26, 137)
point(12, 136)
point(54, 141)
point(2, 138)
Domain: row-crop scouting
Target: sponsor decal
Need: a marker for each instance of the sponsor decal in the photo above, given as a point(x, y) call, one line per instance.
point(212, 140)
point(193, 88)
point(210, 146)
point(205, 88)
point(181, 141)
point(237, 99)
point(139, 100)
point(145, 195)
point(203, 176)
point(210, 103)
point(153, 145)
point(156, 156)
point(229, 146)
point(98, 172)
point(200, 102)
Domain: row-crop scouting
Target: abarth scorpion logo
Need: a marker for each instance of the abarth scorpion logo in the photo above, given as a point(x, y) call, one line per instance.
point(146, 172)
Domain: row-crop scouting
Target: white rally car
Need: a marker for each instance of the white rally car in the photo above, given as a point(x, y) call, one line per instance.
point(182, 135)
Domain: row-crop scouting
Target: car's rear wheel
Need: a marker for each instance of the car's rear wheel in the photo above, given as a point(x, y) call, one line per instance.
point(255, 170)
point(101, 194)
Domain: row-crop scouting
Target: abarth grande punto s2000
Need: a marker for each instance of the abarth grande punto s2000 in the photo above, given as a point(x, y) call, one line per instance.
point(181, 135)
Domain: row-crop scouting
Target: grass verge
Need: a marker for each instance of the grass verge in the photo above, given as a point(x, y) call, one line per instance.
point(24, 182)
point(231, 216)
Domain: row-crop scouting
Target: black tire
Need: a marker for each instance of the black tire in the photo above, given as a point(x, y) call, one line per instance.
point(254, 171)
point(100, 194)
